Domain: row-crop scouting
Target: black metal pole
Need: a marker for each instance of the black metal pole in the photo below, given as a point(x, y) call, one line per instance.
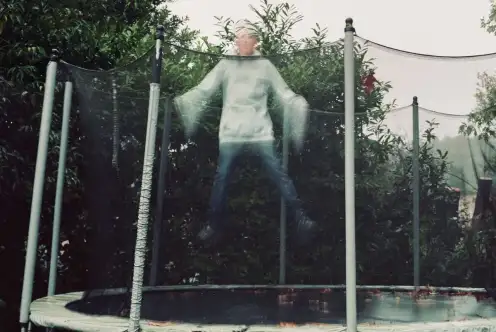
point(283, 213)
point(159, 209)
point(157, 64)
point(416, 194)
point(116, 140)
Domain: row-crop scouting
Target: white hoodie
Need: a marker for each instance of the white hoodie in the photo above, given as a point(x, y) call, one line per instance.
point(245, 84)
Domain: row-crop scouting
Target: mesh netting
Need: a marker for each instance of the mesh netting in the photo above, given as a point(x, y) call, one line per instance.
point(451, 167)
point(113, 115)
point(252, 221)
point(317, 169)
point(454, 160)
point(112, 111)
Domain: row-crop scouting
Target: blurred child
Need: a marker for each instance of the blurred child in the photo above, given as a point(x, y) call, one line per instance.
point(246, 126)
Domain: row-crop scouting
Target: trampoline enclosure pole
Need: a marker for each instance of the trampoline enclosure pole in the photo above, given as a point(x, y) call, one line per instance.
point(349, 175)
point(59, 193)
point(283, 215)
point(416, 194)
point(38, 184)
point(159, 212)
point(146, 188)
point(116, 141)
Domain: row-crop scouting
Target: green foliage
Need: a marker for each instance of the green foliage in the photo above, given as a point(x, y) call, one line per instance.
point(481, 121)
point(91, 34)
point(480, 128)
point(489, 22)
point(463, 152)
point(475, 251)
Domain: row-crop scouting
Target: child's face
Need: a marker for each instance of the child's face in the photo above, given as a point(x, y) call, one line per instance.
point(246, 42)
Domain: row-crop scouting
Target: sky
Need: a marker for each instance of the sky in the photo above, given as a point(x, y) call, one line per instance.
point(432, 27)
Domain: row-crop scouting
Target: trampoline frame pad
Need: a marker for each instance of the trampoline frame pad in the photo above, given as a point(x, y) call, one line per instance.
point(52, 312)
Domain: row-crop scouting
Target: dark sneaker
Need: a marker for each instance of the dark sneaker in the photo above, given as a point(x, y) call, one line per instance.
point(305, 230)
point(209, 235)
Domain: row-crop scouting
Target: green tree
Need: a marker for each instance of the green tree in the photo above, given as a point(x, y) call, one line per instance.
point(91, 34)
point(480, 127)
point(488, 22)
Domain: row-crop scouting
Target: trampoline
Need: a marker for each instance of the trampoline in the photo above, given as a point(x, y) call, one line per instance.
point(270, 308)
point(116, 300)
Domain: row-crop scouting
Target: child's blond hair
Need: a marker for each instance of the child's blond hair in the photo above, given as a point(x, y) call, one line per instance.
point(245, 25)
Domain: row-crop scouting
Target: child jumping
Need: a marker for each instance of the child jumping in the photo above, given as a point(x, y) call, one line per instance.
point(246, 126)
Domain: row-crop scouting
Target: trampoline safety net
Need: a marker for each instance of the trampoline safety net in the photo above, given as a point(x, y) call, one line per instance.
point(112, 111)
point(423, 183)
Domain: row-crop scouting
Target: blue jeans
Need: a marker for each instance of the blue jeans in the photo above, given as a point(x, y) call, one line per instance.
point(228, 153)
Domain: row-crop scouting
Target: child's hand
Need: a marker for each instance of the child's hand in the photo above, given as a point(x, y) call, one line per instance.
point(298, 121)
